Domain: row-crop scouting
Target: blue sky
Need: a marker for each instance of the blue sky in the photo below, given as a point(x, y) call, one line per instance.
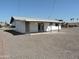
point(60, 9)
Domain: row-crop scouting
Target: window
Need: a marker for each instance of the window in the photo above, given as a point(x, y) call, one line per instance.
point(56, 24)
point(50, 24)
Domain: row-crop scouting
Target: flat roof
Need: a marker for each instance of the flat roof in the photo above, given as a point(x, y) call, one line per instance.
point(32, 19)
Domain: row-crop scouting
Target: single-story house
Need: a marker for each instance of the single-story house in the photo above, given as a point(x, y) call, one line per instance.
point(28, 25)
point(72, 24)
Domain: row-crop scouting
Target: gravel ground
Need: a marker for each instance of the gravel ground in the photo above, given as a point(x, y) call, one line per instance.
point(50, 45)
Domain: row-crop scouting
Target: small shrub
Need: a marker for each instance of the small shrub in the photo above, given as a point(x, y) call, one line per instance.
point(0, 26)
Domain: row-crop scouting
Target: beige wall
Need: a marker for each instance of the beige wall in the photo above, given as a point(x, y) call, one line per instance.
point(20, 26)
point(33, 27)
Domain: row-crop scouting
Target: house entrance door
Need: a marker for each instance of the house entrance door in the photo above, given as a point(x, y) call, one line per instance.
point(27, 27)
point(40, 27)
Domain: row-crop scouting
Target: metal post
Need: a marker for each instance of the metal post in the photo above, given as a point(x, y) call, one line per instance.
point(58, 28)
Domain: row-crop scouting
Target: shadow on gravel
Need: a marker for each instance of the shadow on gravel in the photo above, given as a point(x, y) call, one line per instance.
point(13, 32)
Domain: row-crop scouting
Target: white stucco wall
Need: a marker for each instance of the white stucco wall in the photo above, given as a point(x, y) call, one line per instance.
point(60, 26)
point(56, 27)
point(13, 24)
point(33, 27)
point(47, 27)
point(20, 26)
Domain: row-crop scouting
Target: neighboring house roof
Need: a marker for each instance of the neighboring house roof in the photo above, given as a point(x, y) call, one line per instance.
point(33, 19)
